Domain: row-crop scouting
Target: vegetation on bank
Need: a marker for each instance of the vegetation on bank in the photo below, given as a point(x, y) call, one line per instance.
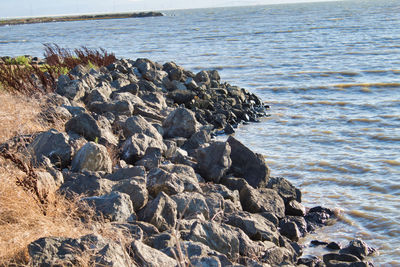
point(24, 76)
point(25, 214)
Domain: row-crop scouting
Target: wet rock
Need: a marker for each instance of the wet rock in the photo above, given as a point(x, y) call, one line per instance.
point(358, 248)
point(339, 260)
point(285, 189)
point(136, 189)
point(310, 261)
point(247, 164)
point(318, 243)
point(92, 157)
point(191, 203)
point(115, 206)
point(85, 125)
point(295, 208)
point(334, 246)
point(53, 145)
point(161, 212)
point(262, 200)
point(319, 216)
point(180, 122)
point(254, 225)
point(289, 229)
point(214, 161)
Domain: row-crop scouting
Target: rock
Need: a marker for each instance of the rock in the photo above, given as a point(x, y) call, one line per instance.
point(222, 190)
point(295, 208)
point(89, 184)
point(85, 125)
point(319, 216)
point(117, 107)
point(180, 123)
point(358, 248)
point(318, 243)
point(289, 229)
point(92, 157)
point(45, 185)
point(55, 114)
point(310, 261)
point(151, 159)
point(55, 251)
point(162, 241)
point(262, 200)
point(277, 256)
point(334, 246)
point(234, 183)
point(115, 206)
point(202, 77)
point(136, 189)
point(71, 89)
point(148, 256)
point(133, 231)
point(247, 164)
point(161, 212)
point(342, 260)
point(113, 255)
point(285, 189)
point(126, 173)
point(196, 140)
point(181, 95)
point(143, 135)
point(254, 225)
point(210, 261)
point(53, 145)
point(148, 229)
point(214, 161)
point(191, 203)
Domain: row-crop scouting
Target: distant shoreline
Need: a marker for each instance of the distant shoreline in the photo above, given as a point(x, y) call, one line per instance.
point(18, 21)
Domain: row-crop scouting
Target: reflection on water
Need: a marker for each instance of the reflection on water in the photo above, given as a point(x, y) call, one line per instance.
point(329, 71)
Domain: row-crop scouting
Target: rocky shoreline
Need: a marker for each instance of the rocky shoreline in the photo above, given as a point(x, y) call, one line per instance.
point(18, 21)
point(138, 148)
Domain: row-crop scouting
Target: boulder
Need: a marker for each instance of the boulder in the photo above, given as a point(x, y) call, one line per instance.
point(72, 89)
point(89, 184)
point(180, 123)
point(262, 200)
point(214, 161)
point(285, 189)
point(115, 206)
point(92, 157)
point(148, 256)
point(191, 203)
point(254, 225)
point(198, 139)
point(127, 173)
point(342, 260)
point(136, 189)
point(247, 164)
point(358, 248)
point(318, 217)
point(53, 145)
point(161, 212)
point(295, 208)
point(117, 107)
point(222, 190)
point(85, 125)
point(289, 229)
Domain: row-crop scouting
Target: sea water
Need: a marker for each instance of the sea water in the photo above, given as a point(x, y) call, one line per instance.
point(330, 72)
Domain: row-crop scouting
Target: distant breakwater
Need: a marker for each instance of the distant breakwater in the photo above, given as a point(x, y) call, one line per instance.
point(18, 21)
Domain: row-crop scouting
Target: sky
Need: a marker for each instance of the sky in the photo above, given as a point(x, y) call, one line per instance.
point(30, 8)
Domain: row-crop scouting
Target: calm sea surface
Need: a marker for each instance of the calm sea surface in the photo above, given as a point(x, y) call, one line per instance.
point(330, 71)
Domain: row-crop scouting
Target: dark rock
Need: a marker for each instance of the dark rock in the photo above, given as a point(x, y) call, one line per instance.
point(214, 161)
point(277, 256)
point(229, 129)
point(318, 243)
point(53, 145)
point(85, 125)
point(317, 217)
point(191, 203)
point(180, 122)
point(182, 96)
point(234, 183)
point(285, 189)
point(71, 89)
point(334, 246)
point(161, 212)
point(295, 208)
point(196, 140)
point(115, 206)
point(300, 222)
point(339, 260)
point(126, 173)
point(152, 158)
point(289, 229)
point(262, 200)
point(147, 256)
point(210, 261)
point(310, 261)
point(162, 240)
point(92, 157)
point(247, 164)
point(148, 229)
point(89, 184)
point(222, 190)
point(358, 248)
point(202, 77)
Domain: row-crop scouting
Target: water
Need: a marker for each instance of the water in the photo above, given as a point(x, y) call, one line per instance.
point(330, 71)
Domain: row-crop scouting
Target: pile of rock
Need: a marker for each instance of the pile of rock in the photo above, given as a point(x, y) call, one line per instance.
point(138, 144)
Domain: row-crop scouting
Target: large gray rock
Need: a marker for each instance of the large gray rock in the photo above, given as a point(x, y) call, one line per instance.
point(89, 184)
point(247, 164)
point(71, 89)
point(358, 248)
point(255, 226)
point(180, 123)
point(289, 229)
point(92, 157)
point(115, 206)
point(53, 145)
point(136, 189)
point(142, 136)
point(117, 107)
point(85, 125)
point(126, 173)
point(214, 161)
point(148, 256)
point(262, 200)
point(285, 189)
point(161, 212)
point(342, 260)
point(226, 193)
point(191, 203)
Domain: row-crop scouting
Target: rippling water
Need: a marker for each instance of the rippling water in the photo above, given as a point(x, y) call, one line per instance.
point(330, 71)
